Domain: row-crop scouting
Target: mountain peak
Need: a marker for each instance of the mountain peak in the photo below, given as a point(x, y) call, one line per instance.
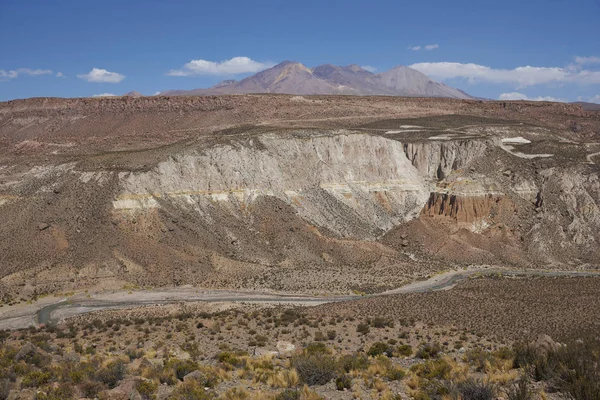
point(133, 94)
point(224, 83)
point(292, 77)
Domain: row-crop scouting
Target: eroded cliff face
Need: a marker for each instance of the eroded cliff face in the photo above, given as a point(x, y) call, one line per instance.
point(354, 185)
point(294, 208)
point(567, 224)
point(436, 159)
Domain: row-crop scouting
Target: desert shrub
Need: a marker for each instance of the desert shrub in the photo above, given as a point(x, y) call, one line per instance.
point(573, 369)
point(331, 335)
point(315, 369)
point(90, 389)
point(112, 373)
point(525, 354)
point(5, 387)
point(520, 391)
point(395, 373)
point(479, 359)
point(350, 362)
point(343, 382)
point(476, 390)
point(182, 367)
point(146, 388)
point(134, 353)
point(428, 350)
point(433, 369)
point(190, 390)
point(36, 379)
point(232, 359)
point(404, 350)
point(288, 394)
point(380, 322)
point(362, 328)
point(61, 392)
point(380, 348)
point(319, 336)
point(317, 348)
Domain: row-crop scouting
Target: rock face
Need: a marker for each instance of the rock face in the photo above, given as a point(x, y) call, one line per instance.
point(269, 192)
point(357, 186)
point(463, 208)
point(437, 159)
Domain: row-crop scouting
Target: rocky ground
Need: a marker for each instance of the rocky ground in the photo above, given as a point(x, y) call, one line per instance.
point(314, 194)
point(515, 338)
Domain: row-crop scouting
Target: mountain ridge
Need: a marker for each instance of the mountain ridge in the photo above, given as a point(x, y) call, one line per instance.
point(291, 77)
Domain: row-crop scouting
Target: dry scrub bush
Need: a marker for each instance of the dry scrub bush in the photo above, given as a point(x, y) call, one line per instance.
point(190, 390)
point(574, 369)
point(316, 368)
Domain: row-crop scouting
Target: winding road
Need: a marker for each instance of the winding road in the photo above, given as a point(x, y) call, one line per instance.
point(49, 310)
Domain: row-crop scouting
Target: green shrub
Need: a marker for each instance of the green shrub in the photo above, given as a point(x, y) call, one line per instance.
point(146, 388)
point(288, 394)
point(362, 328)
point(112, 374)
point(182, 367)
point(36, 379)
point(573, 369)
point(395, 374)
point(350, 362)
point(190, 390)
point(230, 358)
point(380, 348)
point(428, 350)
point(433, 369)
point(380, 322)
point(476, 390)
point(317, 348)
point(343, 382)
point(315, 369)
point(404, 350)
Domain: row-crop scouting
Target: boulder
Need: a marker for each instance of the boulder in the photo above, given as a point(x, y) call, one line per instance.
point(285, 348)
point(194, 375)
point(27, 350)
point(125, 391)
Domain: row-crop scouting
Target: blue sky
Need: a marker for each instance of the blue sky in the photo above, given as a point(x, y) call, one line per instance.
point(483, 47)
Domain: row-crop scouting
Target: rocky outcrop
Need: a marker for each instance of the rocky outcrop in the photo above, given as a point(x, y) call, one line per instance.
point(354, 185)
point(463, 208)
point(436, 159)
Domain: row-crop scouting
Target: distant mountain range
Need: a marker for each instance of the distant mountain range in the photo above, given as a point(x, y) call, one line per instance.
point(294, 78)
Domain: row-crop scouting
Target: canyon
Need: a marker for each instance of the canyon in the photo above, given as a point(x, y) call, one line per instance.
point(295, 194)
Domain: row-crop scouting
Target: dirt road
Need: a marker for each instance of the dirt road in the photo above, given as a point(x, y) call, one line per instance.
point(50, 310)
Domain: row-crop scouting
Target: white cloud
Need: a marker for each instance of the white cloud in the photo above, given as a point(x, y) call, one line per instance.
point(594, 99)
point(521, 96)
point(14, 73)
point(156, 93)
point(102, 76)
point(587, 60)
point(520, 76)
point(234, 66)
point(368, 68)
point(60, 75)
point(427, 47)
point(104, 95)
